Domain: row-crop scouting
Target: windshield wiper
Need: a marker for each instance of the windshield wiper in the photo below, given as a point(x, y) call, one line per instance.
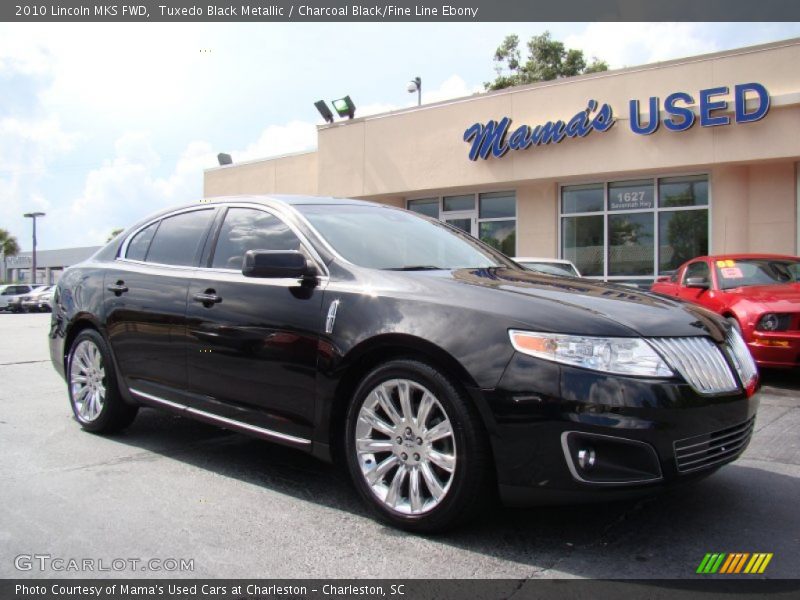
point(416, 268)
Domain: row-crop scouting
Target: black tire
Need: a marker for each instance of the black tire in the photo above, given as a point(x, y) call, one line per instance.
point(471, 480)
point(115, 414)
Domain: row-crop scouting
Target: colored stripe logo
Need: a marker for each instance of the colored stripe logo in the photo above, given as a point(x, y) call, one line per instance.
point(734, 563)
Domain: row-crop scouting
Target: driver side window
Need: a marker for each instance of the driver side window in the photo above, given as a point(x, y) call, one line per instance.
point(696, 269)
point(250, 229)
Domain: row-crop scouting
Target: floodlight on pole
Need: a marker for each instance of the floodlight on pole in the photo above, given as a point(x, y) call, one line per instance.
point(324, 111)
point(415, 85)
point(34, 216)
point(345, 107)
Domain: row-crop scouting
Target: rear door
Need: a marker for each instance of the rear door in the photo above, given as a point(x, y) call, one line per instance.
point(145, 301)
point(252, 353)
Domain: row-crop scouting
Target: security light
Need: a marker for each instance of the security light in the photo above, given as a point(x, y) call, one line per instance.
point(415, 85)
point(324, 110)
point(224, 159)
point(345, 107)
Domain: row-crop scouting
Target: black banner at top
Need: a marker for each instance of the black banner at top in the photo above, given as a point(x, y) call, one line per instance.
point(397, 10)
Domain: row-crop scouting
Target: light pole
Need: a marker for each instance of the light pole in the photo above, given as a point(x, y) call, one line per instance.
point(33, 215)
point(415, 85)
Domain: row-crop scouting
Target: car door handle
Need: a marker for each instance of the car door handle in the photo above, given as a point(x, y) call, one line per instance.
point(118, 288)
point(208, 298)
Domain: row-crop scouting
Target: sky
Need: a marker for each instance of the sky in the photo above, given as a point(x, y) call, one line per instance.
point(102, 124)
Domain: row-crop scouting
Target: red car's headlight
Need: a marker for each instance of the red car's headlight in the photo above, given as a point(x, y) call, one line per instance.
point(774, 322)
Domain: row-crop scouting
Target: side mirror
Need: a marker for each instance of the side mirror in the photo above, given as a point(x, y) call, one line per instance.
point(276, 264)
point(697, 282)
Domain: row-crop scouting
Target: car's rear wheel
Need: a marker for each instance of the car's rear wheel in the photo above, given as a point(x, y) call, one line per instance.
point(416, 448)
point(94, 396)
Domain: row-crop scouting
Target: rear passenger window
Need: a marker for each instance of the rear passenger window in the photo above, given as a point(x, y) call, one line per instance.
point(250, 229)
point(178, 238)
point(137, 247)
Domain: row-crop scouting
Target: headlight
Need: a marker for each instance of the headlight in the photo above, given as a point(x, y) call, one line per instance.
point(773, 322)
point(625, 356)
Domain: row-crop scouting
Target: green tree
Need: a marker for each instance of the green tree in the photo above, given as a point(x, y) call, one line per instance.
point(114, 233)
point(8, 247)
point(547, 59)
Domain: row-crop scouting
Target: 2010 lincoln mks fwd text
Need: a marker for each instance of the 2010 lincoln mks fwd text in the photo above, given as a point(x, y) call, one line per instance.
point(434, 367)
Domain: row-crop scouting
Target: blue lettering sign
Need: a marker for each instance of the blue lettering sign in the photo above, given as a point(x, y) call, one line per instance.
point(740, 100)
point(707, 107)
point(685, 113)
point(493, 138)
point(652, 120)
point(490, 137)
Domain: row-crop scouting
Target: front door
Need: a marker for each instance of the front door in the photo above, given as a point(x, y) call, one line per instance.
point(252, 343)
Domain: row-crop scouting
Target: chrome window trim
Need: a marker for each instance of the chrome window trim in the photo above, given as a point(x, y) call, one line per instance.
point(123, 250)
point(320, 264)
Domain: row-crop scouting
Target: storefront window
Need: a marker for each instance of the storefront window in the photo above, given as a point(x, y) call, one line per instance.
point(458, 203)
point(491, 216)
point(632, 230)
point(683, 191)
point(683, 234)
point(582, 198)
point(631, 195)
point(630, 244)
point(498, 205)
point(583, 243)
point(501, 235)
point(425, 206)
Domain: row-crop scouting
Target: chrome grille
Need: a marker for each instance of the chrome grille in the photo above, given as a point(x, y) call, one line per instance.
point(707, 450)
point(700, 361)
point(742, 359)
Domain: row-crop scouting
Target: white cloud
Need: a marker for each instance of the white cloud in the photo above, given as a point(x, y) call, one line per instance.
point(631, 44)
point(295, 136)
point(452, 87)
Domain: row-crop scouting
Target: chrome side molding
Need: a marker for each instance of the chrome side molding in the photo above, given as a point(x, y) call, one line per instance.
point(246, 427)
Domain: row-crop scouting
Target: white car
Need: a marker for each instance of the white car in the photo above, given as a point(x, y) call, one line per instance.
point(551, 266)
point(10, 293)
point(39, 300)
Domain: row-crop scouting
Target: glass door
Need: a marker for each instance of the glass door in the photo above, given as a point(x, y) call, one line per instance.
point(459, 211)
point(465, 221)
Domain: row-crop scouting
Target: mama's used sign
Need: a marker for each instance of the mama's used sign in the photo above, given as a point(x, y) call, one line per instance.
point(496, 138)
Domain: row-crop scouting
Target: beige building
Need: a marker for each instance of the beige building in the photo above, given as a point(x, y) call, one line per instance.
point(563, 177)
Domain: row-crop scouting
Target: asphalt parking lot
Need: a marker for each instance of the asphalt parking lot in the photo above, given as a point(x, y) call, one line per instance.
point(169, 487)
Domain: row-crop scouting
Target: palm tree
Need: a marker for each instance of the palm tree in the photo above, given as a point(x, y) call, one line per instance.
point(8, 247)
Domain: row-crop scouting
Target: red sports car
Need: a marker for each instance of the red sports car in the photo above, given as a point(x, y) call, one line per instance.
point(758, 293)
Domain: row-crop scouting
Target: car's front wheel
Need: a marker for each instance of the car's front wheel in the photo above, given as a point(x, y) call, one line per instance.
point(416, 448)
point(94, 396)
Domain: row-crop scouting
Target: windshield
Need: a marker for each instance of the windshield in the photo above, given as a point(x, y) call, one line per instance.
point(551, 268)
point(386, 238)
point(756, 271)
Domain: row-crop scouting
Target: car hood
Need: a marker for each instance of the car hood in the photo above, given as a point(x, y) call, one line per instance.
point(784, 296)
point(566, 304)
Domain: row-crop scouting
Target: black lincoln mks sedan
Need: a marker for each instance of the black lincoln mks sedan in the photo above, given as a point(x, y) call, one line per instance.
point(435, 368)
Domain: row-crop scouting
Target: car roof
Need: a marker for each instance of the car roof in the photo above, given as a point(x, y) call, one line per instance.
point(290, 200)
point(743, 255)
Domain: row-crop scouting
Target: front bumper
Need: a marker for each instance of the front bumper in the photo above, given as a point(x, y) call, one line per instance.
point(640, 430)
point(779, 349)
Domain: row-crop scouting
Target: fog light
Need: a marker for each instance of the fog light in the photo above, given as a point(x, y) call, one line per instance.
point(586, 458)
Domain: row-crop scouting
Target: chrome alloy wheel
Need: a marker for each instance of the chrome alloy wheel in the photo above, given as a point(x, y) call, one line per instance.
point(87, 380)
point(406, 447)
